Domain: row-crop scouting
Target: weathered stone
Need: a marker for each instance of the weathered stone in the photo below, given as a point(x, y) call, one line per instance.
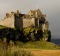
point(18, 20)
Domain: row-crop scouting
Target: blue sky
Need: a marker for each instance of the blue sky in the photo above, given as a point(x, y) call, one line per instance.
point(49, 7)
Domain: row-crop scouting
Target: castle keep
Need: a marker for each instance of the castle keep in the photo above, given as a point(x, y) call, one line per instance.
point(34, 18)
point(31, 26)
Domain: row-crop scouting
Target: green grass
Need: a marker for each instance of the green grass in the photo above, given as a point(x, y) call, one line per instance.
point(39, 45)
point(2, 27)
point(13, 50)
point(24, 49)
point(9, 52)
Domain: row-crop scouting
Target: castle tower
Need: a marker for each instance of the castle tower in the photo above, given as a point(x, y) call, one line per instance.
point(18, 23)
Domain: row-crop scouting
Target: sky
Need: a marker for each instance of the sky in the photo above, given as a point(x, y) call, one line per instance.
point(49, 7)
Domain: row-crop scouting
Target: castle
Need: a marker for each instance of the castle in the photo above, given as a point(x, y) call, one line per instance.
point(34, 19)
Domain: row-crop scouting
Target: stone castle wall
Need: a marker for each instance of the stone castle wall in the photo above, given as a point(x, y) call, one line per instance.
point(28, 22)
point(18, 23)
point(16, 20)
point(9, 22)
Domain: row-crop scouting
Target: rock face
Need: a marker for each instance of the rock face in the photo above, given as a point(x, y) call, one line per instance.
point(34, 18)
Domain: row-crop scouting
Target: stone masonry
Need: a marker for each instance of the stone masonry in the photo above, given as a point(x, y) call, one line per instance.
point(34, 18)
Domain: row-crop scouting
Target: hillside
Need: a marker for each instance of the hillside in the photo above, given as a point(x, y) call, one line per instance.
point(42, 48)
point(38, 45)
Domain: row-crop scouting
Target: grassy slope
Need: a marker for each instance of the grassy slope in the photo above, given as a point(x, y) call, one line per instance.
point(39, 48)
point(39, 45)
